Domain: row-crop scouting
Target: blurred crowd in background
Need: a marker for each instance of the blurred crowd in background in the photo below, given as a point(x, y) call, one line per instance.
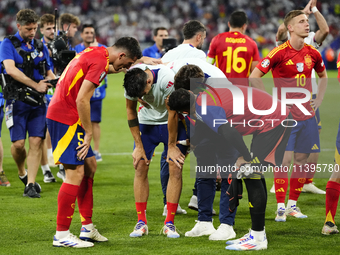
point(116, 18)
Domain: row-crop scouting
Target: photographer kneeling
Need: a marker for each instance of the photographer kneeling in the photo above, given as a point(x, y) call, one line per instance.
point(26, 61)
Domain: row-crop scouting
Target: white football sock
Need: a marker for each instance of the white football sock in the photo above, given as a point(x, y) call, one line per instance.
point(258, 235)
point(62, 234)
point(280, 205)
point(291, 203)
point(45, 168)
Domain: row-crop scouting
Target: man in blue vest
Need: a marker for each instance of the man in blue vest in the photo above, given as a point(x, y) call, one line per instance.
point(26, 61)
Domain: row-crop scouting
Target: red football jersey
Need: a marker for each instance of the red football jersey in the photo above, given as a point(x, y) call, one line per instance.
point(292, 68)
point(338, 66)
point(92, 64)
point(222, 104)
point(234, 53)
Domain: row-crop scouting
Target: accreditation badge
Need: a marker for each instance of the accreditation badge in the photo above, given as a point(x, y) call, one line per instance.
point(9, 115)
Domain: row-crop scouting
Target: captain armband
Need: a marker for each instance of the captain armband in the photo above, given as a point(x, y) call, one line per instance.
point(133, 123)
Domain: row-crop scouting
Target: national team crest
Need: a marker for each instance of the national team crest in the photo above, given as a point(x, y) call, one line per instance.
point(299, 67)
point(308, 61)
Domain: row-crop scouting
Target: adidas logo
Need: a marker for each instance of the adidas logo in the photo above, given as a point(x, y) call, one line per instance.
point(315, 147)
point(169, 84)
point(250, 205)
point(299, 189)
point(289, 62)
point(280, 190)
point(255, 160)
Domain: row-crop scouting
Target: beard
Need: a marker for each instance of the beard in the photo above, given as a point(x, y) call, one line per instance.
point(27, 39)
point(199, 46)
point(50, 38)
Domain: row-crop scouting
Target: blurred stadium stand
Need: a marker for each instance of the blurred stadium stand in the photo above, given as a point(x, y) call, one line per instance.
point(137, 18)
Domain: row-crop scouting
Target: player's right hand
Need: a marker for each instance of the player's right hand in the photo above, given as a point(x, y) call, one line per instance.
point(43, 86)
point(83, 149)
point(137, 155)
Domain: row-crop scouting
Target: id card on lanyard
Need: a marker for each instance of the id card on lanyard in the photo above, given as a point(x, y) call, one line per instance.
point(9, 115)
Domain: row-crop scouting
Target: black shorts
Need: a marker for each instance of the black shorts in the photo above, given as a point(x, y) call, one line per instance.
point(270, 146)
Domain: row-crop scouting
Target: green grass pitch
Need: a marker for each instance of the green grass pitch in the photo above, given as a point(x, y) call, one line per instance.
point(27, 225)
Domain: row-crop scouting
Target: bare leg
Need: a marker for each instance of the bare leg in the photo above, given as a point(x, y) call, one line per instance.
point(174, 189)
point(96, 135)
point(33, 158)
point(19, 155)
point(141, 182)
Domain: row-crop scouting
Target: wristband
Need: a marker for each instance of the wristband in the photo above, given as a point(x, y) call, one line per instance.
point(183, 142)
point(314, 9)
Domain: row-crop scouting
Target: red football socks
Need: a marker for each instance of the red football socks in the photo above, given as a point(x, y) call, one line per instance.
point(66, 204)
point(141, 211)
point(332, 198)
point(310, 172)
point(172, 208)
point(85, 200)
point(281, 185)
point(297, 181)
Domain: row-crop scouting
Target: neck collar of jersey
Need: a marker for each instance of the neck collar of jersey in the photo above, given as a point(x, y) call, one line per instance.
point(155, 74)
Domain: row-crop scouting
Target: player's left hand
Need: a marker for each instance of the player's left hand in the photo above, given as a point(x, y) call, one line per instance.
point(83, 149)
point(151, 61)
point(240, 161)
point(315, 103)
point(176, 156)
point(145, 104)
point(307, 10)
point(312, 3)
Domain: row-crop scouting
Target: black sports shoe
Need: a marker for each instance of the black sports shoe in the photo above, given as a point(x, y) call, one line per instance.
point(37, 187)
point(48, 177)
point(30, 191)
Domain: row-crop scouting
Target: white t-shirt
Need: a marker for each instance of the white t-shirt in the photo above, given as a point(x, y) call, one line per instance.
point(211, 72)
point(160, 90)
point(183, 51)
point(208, 69)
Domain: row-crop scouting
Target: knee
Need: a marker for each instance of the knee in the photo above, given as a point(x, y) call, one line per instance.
point(174, 171)
point(90, 166)
point(142, 171)
point(18, 145)
point(35, 142)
